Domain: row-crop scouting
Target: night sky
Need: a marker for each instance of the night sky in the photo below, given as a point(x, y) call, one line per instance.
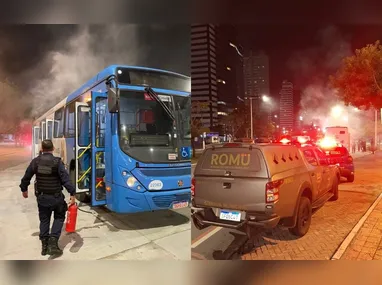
point(23, 47)
point(48, 62)
point(300, 53)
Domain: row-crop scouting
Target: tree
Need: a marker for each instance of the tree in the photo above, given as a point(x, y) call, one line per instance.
point(197, 129)
point(237, 121)
point(359, 78)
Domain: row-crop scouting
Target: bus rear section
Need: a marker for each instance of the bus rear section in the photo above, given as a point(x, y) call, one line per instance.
point(339, 134)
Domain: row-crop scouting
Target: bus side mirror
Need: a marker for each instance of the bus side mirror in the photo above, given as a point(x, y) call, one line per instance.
point(113, 100)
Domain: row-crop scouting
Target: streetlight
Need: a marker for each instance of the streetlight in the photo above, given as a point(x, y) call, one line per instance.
point(237, 49)
point(265, 98)
point(336, 111)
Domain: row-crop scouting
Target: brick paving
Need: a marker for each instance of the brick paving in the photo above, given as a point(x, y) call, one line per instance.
point(330, 226)
point(367, 244)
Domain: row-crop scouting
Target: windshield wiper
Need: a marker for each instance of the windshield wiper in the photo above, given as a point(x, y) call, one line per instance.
point(154, 95)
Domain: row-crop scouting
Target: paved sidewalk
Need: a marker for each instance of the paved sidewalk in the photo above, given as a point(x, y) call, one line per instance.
point(100, 234)
point(360, 154)
point(367, 244)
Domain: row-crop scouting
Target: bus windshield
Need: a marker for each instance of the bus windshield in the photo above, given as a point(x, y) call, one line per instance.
point(147, 132)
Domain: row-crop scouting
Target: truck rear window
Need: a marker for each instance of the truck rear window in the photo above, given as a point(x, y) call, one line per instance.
point(231, 159)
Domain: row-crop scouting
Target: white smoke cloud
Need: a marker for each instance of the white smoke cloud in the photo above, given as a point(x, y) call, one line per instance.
point(312, 68)
point(82, 57)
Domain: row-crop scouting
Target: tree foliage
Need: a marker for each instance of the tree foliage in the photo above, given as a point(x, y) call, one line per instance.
point(196, 126)
point(359, 78)
point(237, 121)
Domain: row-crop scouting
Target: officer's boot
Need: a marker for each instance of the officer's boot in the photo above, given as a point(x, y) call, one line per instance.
point(53, 248)
point(44, 243)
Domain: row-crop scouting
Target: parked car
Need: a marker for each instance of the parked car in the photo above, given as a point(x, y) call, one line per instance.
point(339, 155)
point(240, 186)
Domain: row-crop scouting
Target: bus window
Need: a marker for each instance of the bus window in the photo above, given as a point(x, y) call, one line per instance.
point(59, 123)
point(100, 121)
point(69, 120)
point(50, 130)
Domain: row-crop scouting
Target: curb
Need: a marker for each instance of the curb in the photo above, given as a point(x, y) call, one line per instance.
point(345, 244)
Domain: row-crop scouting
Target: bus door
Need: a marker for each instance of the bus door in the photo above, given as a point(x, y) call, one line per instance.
point(83, 147)
point(98, 173)
point(35, 141)
point(43, 131)
point(49, 129)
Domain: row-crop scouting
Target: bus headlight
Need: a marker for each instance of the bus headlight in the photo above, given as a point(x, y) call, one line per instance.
point(131, 181)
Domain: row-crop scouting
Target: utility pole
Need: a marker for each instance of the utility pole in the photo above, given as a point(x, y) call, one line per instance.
point(376, 129)
point(250, 100)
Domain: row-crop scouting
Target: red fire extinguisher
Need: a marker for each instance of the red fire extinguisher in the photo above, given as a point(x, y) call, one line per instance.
point(71, 218)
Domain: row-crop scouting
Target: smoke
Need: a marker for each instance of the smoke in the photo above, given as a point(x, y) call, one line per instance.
point(311, 69)
point(87, 52)
point(48, 62)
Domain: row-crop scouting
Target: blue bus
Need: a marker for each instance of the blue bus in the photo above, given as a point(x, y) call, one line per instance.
point(125, 138)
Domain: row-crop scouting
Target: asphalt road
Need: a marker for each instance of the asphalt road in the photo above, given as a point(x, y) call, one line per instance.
point(330, 225)
point(12, 156)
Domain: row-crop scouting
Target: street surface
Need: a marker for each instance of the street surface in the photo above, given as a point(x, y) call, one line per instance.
point(330, 225)
point(100, 233)
point(12, 156)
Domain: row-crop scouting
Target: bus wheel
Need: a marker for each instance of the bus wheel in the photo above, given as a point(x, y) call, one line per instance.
point(83, 197)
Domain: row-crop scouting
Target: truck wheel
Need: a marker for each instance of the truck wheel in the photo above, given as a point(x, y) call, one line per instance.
point(304, 218)
point(335, 190)
point(351, 178)
point(198, 225)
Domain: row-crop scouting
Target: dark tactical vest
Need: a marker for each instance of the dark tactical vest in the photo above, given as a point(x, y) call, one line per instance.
point(47, 177)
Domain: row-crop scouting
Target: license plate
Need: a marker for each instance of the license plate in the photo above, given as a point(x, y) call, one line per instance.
point(180, 205)
point(230, 216)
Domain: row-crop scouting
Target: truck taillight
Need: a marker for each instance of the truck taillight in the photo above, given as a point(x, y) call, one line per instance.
point(193, 187)
point(350, 159)
point(272, 190)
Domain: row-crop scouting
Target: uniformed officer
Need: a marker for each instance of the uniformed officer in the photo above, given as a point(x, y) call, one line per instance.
point(51, 175)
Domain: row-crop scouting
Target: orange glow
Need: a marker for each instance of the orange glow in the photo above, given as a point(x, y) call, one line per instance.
point(328, 142)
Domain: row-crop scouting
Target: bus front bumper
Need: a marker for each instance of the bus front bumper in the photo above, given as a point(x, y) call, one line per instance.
point(124, 200)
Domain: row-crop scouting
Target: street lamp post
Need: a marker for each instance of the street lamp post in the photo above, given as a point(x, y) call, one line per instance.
point(251, 111)
point(376, 129)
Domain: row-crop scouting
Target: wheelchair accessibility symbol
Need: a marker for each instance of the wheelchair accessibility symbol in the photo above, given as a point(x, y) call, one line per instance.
point(185, 152)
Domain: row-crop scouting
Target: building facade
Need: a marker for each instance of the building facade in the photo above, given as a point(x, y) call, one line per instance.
point(203, 75)
point(287, 117)
point(256, 76)
point(216, 73)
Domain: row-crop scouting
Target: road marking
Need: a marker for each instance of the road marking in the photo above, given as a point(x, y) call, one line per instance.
point(205, 236)
point(197, 256)
point(345, 244)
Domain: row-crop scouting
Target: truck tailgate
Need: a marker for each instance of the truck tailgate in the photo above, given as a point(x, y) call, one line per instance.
point(232, 193)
